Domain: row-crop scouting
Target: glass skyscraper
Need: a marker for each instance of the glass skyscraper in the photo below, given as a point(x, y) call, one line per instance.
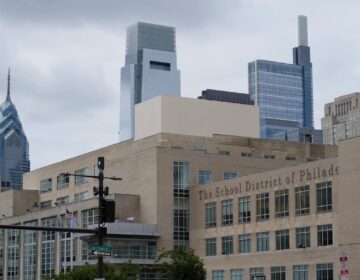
point(14, 147)
point(284, 94)
point(150, 70)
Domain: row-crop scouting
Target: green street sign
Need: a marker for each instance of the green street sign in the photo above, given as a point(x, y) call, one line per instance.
point(101, 248)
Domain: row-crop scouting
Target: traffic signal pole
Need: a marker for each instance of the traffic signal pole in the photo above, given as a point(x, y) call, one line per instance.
point(104, 204)
point(101, 227)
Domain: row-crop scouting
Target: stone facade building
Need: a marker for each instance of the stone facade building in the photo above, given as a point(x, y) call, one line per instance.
point(289, 207)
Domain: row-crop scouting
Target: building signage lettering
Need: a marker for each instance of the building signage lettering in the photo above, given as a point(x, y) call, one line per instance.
point(300, 176)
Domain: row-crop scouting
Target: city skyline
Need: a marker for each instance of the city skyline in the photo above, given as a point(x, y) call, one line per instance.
point(59, 56)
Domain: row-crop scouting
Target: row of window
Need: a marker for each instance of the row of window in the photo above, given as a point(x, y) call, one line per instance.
point(282, 241)
point(65, 199)
point(62, 181)
point(300, 272)
point(302, 205)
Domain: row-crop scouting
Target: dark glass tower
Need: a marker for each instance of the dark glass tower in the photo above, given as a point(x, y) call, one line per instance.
point(14, 147)
point(284, 94)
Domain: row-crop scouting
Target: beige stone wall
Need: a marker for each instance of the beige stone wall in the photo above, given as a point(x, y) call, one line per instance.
point(188, 116)
point(341, 171)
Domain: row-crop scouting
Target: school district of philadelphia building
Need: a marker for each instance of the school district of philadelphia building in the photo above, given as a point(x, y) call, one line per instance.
point(247, 206)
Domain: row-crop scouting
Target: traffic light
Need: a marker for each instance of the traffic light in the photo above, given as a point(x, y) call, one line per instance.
point(109, 211)
point(101, 163)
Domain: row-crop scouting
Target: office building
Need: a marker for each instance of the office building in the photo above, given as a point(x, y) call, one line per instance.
point(157, 202)
point(189, 116)
point(284, 94)
point(297, 222)
point(150, 70)
point(341, 118)
point(14, 147)
point(226, 96)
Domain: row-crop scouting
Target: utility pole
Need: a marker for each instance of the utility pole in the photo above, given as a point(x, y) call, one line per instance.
point(101, 228)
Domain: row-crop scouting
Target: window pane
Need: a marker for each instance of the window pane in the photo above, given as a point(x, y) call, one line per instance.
point(282, 203)
point(226, 212)
point(302, 200)
point(262, 206)
point(210, 215)
point(324, 196)
point(244, 209)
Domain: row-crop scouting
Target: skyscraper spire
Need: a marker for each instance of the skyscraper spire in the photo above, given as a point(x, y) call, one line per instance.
point(302, 31)
point(8, 87)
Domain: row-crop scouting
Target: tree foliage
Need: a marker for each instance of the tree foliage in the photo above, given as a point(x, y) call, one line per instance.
point(182, 264)
point(128, 271)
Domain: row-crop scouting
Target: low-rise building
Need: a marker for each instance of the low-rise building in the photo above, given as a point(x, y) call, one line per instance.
point(341, 119)
point(157, 202)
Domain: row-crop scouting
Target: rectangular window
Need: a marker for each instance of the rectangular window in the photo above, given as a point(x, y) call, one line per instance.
point(222, 152)
point(62, 181)
point(244, 243)
point(269, 156)
point(181, 204)
point(30, 253)
point(88, 217)
point(282, 203)
point(13, 261)
point(205, 177)
point(324, 271)
point(325, 235)
point(226, 212)
point(229, 175)
point(290, 158)
point(300, 272)
point(227, 244)
point(81, 196)
point(278, 273)
point(210, 247)
point(303, 237)
point(48, 248)
point(244, 154)
point(217, 275)
point(237, 274)
point(210, 215)
point(262, 206)
point(324, 196)
point(1, 254)
point(262, 241)
point(157, 65)
point(79, 179)
point(282, 239)
point(62, 200)
point(244, 209)
point(45, 204)
point(302, 200)
point(46, 185)
point(256, 271)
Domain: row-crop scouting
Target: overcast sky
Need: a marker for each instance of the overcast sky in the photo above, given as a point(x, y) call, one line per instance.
point(65, 57)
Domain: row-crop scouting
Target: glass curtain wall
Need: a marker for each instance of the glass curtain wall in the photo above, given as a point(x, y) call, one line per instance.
point(30, 252)
point(181, 203)
point(88, 217)
point(48, 248)
point(13, 254)
point(1, 254)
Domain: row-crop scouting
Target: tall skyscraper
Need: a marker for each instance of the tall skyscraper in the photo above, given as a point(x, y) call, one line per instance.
point(14, 147)
point(341, 118)
point(150, 70)
point(284, 94)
